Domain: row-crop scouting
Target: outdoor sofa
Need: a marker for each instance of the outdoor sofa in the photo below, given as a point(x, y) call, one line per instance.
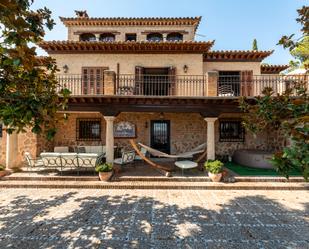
point(71, 161)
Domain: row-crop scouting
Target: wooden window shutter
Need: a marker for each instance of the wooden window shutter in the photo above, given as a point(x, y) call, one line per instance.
point(172, 80)
point(92, 80)
point(246, 81)
point(139, 76)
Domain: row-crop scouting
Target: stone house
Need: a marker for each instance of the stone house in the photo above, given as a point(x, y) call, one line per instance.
point(151, 75)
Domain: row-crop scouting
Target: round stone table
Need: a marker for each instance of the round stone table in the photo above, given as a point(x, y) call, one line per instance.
point(186, 165)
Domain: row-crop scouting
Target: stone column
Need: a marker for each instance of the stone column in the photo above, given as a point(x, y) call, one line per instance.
point(211, 141)
point(11, 150)
point(109, 138)
point(109, 82)
point(212, 84)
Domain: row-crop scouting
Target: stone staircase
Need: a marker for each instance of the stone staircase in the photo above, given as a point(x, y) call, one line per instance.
point(28, 180)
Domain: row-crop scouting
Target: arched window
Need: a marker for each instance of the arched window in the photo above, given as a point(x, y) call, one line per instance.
point(87, 37)
point(107, 37)
point(154, 37)
point(174, 37)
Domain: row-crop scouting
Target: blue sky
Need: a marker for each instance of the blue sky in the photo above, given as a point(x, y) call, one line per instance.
point(233, 24)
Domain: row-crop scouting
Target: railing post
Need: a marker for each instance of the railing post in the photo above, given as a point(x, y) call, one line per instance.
point(109, 82)
point(212, 83)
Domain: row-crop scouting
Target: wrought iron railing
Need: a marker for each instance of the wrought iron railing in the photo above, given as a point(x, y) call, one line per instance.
point(236, 85)
point(179, 85)
point(161, 85)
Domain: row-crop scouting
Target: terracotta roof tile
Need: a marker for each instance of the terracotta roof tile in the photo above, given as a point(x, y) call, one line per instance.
point(273, 69)
point(125, 47)
point(236, 55)
point(137, 21)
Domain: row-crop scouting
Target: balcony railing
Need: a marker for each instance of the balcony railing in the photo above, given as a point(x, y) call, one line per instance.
point(179, 85)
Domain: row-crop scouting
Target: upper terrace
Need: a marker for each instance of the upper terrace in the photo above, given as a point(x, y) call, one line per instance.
point(85, 28)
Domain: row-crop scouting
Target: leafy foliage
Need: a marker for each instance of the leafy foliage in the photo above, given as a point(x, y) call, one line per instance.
point(28, 87)
point(105, 167)
point(299, 47)
point(289, 113)
point(2, 168)
point(214, 167)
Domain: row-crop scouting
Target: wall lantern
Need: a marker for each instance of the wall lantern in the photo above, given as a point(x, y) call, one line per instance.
point(161, 116)
point(185, 68)
point(65, 68)
point(146, 124)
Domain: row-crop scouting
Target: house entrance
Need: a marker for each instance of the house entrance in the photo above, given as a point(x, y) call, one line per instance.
point(160, 135)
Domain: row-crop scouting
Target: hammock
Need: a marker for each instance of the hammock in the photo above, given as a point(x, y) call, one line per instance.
point(189, 154)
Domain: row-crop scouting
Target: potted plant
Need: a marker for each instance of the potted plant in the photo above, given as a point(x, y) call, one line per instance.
point(214, 169)
point(2, 171)
point(105, 171)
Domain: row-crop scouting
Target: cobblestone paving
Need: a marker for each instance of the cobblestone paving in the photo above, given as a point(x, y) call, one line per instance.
point(89, 218)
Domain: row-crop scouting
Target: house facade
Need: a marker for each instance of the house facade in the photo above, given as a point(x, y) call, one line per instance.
point(149, 79)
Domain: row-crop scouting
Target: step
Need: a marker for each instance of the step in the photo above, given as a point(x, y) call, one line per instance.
point(154, 185)
point(28, 177)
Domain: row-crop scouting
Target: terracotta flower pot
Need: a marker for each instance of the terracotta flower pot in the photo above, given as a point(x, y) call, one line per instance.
point(215, 177)
point(3, 173)
point(105, 176)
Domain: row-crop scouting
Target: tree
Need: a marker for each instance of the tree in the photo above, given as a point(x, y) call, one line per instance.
point(299, 47)
point(254, 45)
point(287, 112)
point(29, 95)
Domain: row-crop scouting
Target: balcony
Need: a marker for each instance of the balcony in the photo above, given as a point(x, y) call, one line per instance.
point(227, 86)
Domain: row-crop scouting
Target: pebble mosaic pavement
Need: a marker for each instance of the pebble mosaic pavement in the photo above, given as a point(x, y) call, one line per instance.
point(109, 218)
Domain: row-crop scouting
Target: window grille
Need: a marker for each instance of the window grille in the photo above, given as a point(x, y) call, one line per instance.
point(231, 131)
point(88, 129)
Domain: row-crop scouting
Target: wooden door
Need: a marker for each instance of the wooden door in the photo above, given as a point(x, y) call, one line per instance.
point(172, 81)
point(139, 74)
point(246, 81)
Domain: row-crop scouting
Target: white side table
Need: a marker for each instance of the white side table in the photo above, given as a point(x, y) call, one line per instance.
point(186, 165)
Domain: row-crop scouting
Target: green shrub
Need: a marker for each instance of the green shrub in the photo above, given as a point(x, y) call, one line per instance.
point(2, 168)
point(214, 167)
point(105, 167)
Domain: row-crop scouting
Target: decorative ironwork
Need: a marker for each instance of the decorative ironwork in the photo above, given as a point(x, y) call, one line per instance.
point(88, 129)
point(231, 131)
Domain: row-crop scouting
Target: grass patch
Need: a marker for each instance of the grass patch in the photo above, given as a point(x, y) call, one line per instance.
point(248, 171)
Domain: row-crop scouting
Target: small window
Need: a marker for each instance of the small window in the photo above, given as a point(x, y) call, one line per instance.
point(88, 129)
point(1, 130)
point(130, 37)
point(155, 37)
point(107, 37)
point(231, 131)
point(87, 37)
point(174, 37)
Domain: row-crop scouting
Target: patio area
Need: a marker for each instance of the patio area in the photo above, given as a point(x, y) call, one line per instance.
point(111, 218)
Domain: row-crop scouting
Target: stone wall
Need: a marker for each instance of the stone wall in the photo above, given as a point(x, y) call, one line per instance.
point(233, 66)
point(187, 131)
point(3, 148)
point(138, 30)
point(128, 62)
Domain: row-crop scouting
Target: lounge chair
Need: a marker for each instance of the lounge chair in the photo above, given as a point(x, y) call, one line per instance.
point(126, 158)
point(163, 169)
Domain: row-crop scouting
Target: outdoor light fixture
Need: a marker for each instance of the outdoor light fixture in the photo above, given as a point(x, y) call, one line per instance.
point(161, 116)
point(146, 124)
point(185, 68)
point(65, 68)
